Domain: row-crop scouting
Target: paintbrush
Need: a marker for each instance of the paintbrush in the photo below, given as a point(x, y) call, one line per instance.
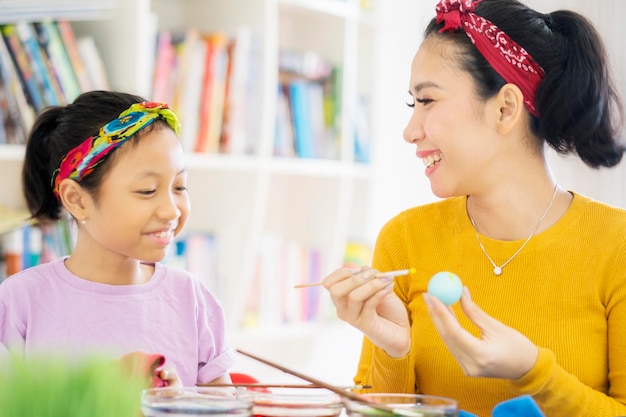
point(277, 385)
point(337, 390)
point(389, 274)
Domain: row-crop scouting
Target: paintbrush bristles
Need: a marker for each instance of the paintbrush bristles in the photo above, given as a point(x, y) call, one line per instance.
point(389, 274)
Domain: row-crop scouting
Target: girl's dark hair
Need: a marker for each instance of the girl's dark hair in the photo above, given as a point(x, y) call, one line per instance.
point(55, 132)
point(580, 111)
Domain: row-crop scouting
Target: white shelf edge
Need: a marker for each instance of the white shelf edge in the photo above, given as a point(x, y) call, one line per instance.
point(323, 168)
point(337, 8)
point(35, 10)
point(13, 153)
point(343, 9)
point(221, 162)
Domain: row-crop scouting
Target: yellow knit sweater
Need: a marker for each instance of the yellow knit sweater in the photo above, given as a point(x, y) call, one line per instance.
point(566, 291)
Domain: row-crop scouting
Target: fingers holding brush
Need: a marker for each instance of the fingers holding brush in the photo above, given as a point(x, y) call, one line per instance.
point(365, 300)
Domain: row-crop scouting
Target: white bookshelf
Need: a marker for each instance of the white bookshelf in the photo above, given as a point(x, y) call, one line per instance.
point(243, 198)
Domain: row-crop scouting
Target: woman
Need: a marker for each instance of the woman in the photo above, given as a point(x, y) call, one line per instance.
point(494, 82)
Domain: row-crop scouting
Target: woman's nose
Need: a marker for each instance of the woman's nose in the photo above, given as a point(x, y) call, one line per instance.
point(414, 130)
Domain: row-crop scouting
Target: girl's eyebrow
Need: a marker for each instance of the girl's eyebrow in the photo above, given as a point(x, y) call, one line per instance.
point(156, 174)
point(426, 84)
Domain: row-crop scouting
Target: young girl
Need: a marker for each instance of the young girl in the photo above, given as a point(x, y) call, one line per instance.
point(115, 164)
point(491, 85)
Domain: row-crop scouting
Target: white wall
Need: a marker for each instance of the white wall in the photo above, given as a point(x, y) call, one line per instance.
point(399, 182)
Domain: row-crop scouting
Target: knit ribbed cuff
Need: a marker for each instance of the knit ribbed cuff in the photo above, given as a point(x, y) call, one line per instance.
point(537, 378)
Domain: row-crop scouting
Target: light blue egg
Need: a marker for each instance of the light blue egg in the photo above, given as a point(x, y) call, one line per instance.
point(446, 286)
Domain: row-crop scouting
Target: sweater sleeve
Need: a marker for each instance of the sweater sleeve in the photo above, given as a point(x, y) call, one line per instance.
point(559, 392)
point(384, 373)
point(376, 368)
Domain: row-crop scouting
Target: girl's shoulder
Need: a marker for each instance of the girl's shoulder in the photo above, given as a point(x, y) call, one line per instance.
point(181, 278)
point(31, 282)
point(33, 275)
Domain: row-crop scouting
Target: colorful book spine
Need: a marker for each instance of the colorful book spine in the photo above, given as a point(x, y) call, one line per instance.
point(94, 66)
point(69, 40)
point(213, 95)
point(22, 63)
point(301, 118)
point(271, 299)
point(54, 48)
point(17, 115)
point(46, 81)
point(164, 62)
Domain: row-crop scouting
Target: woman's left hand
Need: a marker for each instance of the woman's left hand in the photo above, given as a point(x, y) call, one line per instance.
point(499, 352)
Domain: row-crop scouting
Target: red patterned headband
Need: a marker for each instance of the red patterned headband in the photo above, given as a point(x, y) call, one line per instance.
point(508, 58)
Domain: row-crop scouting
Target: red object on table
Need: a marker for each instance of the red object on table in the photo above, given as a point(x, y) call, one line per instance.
point(149, 365)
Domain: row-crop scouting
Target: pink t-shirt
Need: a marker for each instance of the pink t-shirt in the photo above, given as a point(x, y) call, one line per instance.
point(48, 309)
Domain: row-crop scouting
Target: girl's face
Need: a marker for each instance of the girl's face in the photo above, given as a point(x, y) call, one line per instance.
point(142, 202)
point(453, 130)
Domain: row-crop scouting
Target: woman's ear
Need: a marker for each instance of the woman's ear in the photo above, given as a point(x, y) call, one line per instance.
point(510, 102)
point(74, 198)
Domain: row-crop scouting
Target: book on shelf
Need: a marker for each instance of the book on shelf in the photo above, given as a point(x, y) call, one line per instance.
point(284, 136)
point(18, 53)
point(310, 64)
point(15, 114)
point(54, 48)
point(12, 253)
point(32, 244)
point(362, 131)
point(40, 65)
point(314, 138)
point(213, 94)
point(189, 90)
point(313, 93)
point(333, 111)
point(71, 48)
point(94, 66)
point(208, 80)
point(301, 119)
point(271, 298)
point(183, 45)
point(164, 62)
point(241, 119)
point(197, 252)
point(357, 254)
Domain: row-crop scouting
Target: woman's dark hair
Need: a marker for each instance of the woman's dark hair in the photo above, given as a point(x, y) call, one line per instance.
point(580, 111)
point(55, 132)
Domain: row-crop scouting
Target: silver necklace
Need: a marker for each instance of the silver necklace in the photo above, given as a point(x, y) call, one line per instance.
point(498, 269)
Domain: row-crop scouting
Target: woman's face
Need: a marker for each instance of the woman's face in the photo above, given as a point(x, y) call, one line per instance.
point(453, 129)
point(142, 202)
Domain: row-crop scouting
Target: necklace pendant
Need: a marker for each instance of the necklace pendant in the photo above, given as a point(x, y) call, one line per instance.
point(497, 270)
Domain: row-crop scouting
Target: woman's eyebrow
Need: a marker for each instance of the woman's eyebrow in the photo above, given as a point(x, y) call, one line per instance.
point(420, 86)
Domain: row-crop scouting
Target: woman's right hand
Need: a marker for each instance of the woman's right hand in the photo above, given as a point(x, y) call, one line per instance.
point(369, 304)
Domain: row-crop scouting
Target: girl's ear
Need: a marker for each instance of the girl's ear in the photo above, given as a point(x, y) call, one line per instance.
point(74, 198)
point(510, 102)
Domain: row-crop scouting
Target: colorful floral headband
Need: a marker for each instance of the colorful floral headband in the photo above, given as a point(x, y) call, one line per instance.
point(508, 58)
point(81, 160)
